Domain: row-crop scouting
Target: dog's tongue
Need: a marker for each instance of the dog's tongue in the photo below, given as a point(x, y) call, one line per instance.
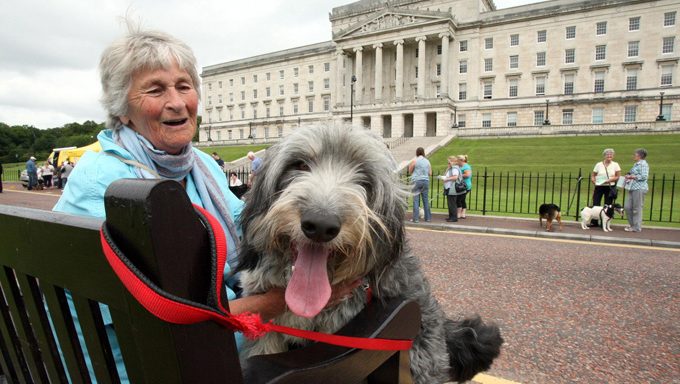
point(309, 290)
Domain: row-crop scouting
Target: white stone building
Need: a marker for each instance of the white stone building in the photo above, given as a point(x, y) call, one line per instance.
point(426, 67)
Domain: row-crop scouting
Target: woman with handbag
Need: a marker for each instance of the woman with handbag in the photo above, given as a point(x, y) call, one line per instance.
point(604, 177)
point(452, 188)
point(466, 174)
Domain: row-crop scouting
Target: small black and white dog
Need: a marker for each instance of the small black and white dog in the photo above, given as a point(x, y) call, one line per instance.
point(604, 214)
point(549, 212)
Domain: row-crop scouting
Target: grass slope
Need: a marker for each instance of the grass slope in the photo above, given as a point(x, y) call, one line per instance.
point(231, 153)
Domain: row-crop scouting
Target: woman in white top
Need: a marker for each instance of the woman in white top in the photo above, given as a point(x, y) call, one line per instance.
point(47, 172)
point(604, 177)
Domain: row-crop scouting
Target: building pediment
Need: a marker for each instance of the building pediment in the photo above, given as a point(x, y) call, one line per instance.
point(388, 20)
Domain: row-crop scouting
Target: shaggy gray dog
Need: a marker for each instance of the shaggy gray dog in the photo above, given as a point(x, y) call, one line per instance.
point(327, 207)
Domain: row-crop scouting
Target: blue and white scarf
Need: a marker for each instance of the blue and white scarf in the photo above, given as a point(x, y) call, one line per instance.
point(151, 163)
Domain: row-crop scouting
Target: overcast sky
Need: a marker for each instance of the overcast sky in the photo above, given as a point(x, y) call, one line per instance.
point(49, 49)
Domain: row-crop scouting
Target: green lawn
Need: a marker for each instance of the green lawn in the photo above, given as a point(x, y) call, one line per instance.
point(233, 152)
point(562, 154)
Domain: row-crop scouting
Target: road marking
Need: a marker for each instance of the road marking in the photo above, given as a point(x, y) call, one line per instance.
point(482, 378)
point(634, 246)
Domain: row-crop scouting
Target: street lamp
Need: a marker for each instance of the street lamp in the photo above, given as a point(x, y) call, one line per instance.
point(547, 120)
point(208, 129)
point(351, 98)
point(660, 117)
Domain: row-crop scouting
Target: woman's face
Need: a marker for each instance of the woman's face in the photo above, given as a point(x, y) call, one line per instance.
point(609, 156)
point(162, 106)
point(452, 162)
point(636, 156)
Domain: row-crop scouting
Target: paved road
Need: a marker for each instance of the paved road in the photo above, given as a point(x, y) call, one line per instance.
point(569, 311)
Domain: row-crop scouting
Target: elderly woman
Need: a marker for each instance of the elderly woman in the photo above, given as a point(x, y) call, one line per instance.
point(604, 177)
point(636, 184)
point(449, 178)
point(466, 171)
point(151, 92)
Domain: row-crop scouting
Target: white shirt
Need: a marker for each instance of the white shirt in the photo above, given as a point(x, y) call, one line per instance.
point(601, 173)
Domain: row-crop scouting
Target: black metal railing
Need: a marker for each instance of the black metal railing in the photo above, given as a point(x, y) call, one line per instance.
point(523, 192)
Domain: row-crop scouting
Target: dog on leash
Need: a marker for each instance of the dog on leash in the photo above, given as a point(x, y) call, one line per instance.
point(604, 214)
point(326, 208)
point(549, 212)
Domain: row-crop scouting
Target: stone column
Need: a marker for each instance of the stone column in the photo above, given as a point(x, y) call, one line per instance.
point(444, 84)
point(339, 72)
point(378, 71)
point(358, 72)
point(399, 78)
point(422, 71)
point(397, 124)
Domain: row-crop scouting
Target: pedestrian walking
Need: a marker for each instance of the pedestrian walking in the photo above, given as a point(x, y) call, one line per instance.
point(636, 184)
point(420, 170)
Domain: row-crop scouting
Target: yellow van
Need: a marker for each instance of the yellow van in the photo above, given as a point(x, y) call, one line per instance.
point(72, 154)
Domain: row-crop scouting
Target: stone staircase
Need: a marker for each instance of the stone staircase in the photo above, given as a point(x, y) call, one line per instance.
point(406, 150)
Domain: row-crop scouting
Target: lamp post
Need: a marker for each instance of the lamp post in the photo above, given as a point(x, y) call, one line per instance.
point(660, 117)
point(208, 129)
point(547, 120)
point(351, 98)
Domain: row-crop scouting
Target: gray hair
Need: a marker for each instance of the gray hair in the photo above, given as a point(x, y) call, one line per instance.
point(641, 152)
point(139, 50)
point(608, 150)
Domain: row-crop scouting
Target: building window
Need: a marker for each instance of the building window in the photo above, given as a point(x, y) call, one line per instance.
point(539, 117)
point(567, 116)
point(295, 108)
point(666, 75)
point(488, 89)
point(326, 103)
point(669, 19)
point(254, 78)
point(296, 88)
point(601, 28)
point(310, 84)
point(243, 113)
point(219, 84)
point(240, 131)
point(209, 86)
point(569, 84)
point(209, 100)
point(281, 90)
point(461, 120)
point(668, 44)
point(231, 82)
point(254, 112)
point(231, 97)
point(600, 52)
point(310, 105)
point(488, 43)
point(281, 75)
point(514, 61)
point(326, 67)
point(599, 82)
point(416, 71)
point(570, 32)
point(540, 59)
point(634, 23)
point(254, 93)
point(266, 132)
point(666, 111)
point(462, 91)
point(243, 80)
point(280, 110)
point(463, 46)
point(488, 64)
point(598, 115)
point(438, 91)
point(439, 69)
point(512, 119)
point(267, 112)
point(279, 131)
point(631, 79)
point(220, 98)
point(311, 69)
point(513, 85)
point(269, 76)
point(514, 40)
point(570, 56)
point(542, 36)
point(630, 113)
point(269, 91)
point(439, 49)
point(243, 95)
point(296, 72)
point(633, 48)
point(229, 133)
point(540, 85)
point(326, 83)
point(486, 120)
point(462, 66)
point(218, 135)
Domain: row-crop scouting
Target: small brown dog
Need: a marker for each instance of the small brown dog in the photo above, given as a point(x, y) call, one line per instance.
point(549, 212)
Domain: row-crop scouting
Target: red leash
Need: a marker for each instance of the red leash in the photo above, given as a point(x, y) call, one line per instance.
point(177, 310)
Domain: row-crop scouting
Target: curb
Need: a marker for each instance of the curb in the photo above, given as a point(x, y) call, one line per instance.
point(543, 234)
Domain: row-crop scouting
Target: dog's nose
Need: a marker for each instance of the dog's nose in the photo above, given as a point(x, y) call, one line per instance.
point(319, 227)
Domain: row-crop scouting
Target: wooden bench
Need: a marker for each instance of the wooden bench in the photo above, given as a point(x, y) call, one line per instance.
point(42, 254)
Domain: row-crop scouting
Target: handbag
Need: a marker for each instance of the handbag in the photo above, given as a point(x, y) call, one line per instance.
point(613, 192)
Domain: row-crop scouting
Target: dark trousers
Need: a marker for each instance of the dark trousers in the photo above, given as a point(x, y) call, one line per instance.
point(460, 201)
point(451, 201)
point(599, 192)
point(47, 179)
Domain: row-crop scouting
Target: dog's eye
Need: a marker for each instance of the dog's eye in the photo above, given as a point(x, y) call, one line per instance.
point(300, 166)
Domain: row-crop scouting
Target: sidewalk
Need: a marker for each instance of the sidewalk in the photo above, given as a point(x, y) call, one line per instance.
point(650, 235)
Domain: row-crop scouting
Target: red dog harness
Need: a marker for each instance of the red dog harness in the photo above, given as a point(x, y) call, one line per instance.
point(177, 310)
